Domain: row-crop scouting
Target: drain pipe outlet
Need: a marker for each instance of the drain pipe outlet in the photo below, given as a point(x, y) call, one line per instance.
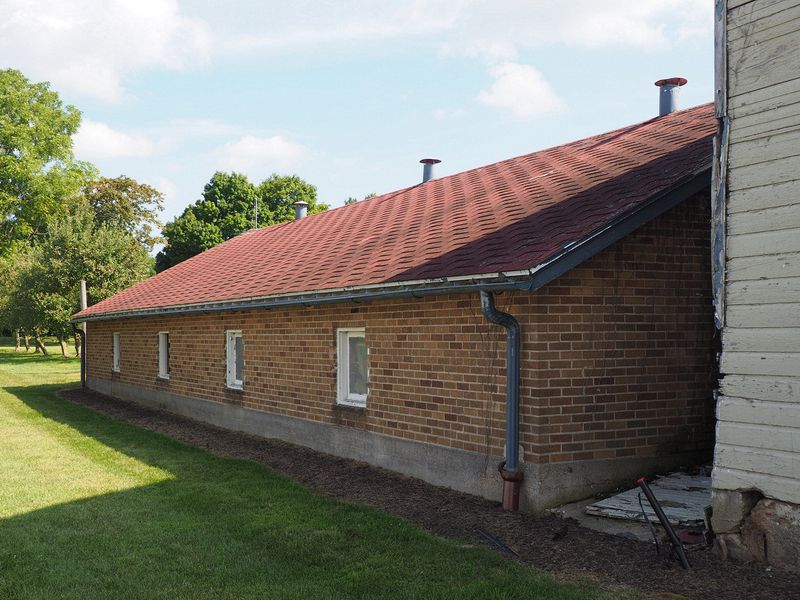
point(509, 469)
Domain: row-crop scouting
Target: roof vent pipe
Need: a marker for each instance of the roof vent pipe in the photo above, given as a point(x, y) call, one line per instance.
point(427, 169)
point(300, 209)
point(668, 92)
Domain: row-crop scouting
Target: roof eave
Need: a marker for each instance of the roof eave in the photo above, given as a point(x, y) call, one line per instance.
point(530, 279)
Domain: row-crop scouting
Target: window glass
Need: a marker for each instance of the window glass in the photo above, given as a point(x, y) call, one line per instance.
point(352, 367)
point(115, 351)
point(239, 352)
point(357, 353)
point(234, 349)
point(163, 354)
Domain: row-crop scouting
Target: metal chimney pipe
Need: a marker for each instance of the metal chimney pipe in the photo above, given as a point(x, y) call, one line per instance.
point(427, 169)
point(300, 209)
point(668, 94)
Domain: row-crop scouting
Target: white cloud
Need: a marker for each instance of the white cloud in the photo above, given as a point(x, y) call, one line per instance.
point(90, 48)
point(494, 30)
point(87, 48)
point(521, 89)
point(277, 26)
point(97, 141)
point(259, 156)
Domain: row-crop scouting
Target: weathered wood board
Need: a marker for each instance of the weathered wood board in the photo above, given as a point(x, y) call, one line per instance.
point(761, 387)
point(765, 291)
point(762, 437)
point(785, 364)
point(761, 339)
point(767, 219)
point(760, 315)
point(759, 412)
point(759, 198)
point(784, 241)
point(683, 497)
point(771, 266)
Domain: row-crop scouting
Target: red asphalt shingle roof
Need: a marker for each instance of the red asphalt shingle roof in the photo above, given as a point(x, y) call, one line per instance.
point(507, 216)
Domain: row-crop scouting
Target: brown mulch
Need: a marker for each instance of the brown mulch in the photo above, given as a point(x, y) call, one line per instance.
point(545, 542)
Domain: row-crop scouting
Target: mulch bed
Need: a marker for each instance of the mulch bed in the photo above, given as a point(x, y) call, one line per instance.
point(545, 542)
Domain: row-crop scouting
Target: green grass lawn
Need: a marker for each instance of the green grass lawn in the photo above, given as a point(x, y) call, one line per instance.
point(95, 508)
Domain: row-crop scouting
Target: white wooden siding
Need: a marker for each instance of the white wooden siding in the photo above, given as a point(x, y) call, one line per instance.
point(769, 266)
point(760, 339)
point(762, 387)
point(758, 429)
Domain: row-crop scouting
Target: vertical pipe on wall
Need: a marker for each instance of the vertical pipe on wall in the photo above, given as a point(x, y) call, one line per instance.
point(82, 333)
point(509, 470)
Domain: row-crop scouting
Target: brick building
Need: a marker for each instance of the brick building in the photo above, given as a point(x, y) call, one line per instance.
point(369, 331)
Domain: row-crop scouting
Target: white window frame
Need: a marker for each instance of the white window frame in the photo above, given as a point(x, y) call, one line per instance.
point(163, 354)
point(344, 395)
point(115, 356)
point(230, 359)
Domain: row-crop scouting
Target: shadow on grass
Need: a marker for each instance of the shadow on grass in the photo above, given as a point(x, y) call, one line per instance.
point(18, 357)
point(228, 528)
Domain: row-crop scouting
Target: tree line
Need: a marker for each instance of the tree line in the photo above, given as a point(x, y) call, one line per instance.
point(61, 222)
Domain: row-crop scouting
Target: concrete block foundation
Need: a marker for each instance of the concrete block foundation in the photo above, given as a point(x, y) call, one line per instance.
point(545, 485)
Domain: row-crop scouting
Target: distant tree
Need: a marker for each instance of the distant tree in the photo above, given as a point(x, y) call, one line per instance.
point(228, 208)
point(186, 236)
point(47, 287)
point(278, 193)
point(352, 200)
point(12, 304)
point(126, 204)
point(39, 177)
point(228, 202)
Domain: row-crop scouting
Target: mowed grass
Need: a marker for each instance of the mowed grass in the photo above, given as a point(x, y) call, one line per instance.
point(95, 508)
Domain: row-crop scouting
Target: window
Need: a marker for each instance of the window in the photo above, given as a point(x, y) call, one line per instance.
point(163, 355)
point(351, 352)
point(115, 352)
point(235, 359)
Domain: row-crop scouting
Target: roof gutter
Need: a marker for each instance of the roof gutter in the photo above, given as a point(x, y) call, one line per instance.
point(527, 280)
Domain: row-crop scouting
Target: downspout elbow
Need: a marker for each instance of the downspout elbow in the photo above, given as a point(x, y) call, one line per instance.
point(510, 469)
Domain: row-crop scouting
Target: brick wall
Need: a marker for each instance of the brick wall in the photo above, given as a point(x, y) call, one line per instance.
point(616, 356)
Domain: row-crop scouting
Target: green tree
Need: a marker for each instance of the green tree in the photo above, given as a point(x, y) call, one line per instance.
point(46, 291)
point(228, 202)
point(12, 313)
point(39, 177)
point(278, 193)
point(352, 200)
point(186, 236)
point(228, 208)
point(126, 204)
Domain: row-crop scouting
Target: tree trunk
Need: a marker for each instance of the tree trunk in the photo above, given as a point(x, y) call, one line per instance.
point(27, 339)
point(17, 341)
point(63, 345)
point(77, 340)
point(37, 340)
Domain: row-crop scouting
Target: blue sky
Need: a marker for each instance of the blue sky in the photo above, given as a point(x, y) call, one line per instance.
point(349, 95)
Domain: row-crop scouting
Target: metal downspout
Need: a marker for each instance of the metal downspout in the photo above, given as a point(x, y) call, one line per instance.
point(509, 469)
